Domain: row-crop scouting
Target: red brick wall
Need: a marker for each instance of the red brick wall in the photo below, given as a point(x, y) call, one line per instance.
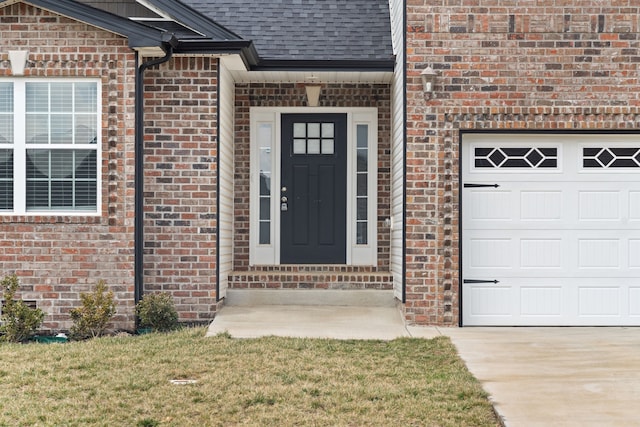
point(58, 257)
point(502, 64)
point(180, 184)
point(293, 95)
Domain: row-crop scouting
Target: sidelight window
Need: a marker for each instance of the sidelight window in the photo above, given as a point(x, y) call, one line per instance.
point(265, 159)
point(362, 183)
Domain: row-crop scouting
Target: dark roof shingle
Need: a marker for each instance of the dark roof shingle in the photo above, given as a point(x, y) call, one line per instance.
point(306, 29)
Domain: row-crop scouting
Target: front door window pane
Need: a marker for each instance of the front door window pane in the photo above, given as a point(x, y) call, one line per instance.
point(327, 130)
point(313, 138)
point(313, 146)
point(299, 130)
point(327, 146)
point(313, 130)
point(299, 146)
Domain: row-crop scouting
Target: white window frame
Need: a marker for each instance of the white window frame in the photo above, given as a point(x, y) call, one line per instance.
point(20, 148)
point(269, 254)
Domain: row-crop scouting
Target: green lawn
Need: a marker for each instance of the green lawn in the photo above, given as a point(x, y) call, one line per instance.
point(125, 381)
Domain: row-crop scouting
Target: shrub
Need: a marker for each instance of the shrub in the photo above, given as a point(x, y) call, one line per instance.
point(90, 320)
point(19, 321)
point(158, 312)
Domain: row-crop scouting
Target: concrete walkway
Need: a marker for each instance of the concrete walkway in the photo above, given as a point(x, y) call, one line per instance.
point(536, 377)
point(384, 323)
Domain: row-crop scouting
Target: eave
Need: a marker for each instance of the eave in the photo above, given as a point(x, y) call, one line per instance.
point(244, 48)
point(186, 15)
point(138, 35)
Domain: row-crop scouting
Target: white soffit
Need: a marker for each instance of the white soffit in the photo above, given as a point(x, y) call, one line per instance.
point(312, 77)
point(238, 70)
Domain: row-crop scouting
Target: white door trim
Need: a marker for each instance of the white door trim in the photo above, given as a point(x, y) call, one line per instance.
point(265, 131)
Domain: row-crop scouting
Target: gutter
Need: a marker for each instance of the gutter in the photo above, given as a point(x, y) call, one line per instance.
point(379, 65)
point(244, 48)
point(167, 47)
point(252, 61)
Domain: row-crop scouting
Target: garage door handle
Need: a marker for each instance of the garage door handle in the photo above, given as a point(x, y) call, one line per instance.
point(480, 185)
point(495, 282)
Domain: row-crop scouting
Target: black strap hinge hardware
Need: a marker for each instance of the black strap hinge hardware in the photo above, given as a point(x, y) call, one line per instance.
point(495, 282)
point(481, 185)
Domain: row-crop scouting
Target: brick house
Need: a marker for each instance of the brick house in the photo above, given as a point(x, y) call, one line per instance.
point(241, 149)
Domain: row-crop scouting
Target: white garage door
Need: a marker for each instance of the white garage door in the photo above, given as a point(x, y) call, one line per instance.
point(550, 229)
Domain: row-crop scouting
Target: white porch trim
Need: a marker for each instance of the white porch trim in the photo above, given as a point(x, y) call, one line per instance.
point(265, 132)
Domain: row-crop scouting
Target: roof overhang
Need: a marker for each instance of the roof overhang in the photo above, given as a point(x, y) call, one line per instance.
point(308, 77)
point(138, 35)
point(220, 41)
point(182, 13)
point(244, 49)
point(240, 54)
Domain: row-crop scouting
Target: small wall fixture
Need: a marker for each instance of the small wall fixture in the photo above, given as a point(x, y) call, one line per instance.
point(313, 95)
point(428, 80)
point(18, 59)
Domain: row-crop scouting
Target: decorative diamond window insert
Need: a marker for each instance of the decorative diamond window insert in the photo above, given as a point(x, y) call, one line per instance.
point(603, 157)
point(516, 157)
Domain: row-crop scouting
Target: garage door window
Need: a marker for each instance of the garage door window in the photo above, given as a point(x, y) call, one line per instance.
point(516, 157)
point(608, 157)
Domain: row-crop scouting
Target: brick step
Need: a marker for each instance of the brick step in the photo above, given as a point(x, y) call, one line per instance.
point(311, 285)
point(311, 279)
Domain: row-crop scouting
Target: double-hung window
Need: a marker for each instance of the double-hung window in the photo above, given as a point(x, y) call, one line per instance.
point(49, 146)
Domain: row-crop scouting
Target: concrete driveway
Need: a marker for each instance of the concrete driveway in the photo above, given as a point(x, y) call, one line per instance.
point(556, 377)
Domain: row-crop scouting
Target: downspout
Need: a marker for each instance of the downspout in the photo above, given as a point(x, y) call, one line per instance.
point(139, 170)
point(218, 89)
point(404, 157)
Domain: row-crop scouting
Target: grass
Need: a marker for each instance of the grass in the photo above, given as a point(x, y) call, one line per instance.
point(125, 381)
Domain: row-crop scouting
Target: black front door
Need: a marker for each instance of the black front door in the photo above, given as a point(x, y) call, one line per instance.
point(313, 194)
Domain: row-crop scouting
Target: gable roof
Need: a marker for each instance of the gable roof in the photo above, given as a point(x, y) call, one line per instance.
point(137, 34)
point(151, 36)
point(347, 35)
point(126, 8)
point(312, 31)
